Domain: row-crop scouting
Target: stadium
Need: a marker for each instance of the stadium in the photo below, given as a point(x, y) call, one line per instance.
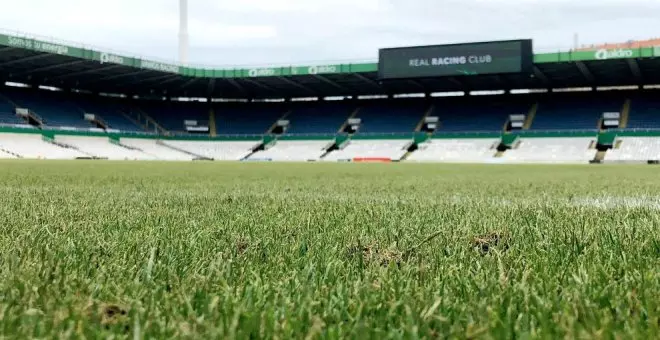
point(499, 192)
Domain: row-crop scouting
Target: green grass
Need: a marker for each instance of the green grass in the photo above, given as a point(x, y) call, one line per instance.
point(240, 250)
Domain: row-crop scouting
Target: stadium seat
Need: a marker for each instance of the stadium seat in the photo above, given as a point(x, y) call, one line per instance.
point(8, 113)
point(391, 116)
point(54, 107)
point(247, 118)
point(319, 117)
point(552, 150)
point(298, 151)
point(110, 111)
point(220, 151)
point(371, 149)
point(644, 113)
point(635, 149)
point(32, 145)
point(468, 150)
point(102, 147)
point(153, 148)
point(171, 115)
point(574, 111)
point(477, 113)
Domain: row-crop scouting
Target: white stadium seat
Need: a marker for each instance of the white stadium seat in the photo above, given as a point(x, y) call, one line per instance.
point(468, 150)
point(102, 147)
point(33, 146)
point(219, 151)
point(552, 150)
point(635, 149)
point(386, 149)
point(293, 151)
point(151, 147)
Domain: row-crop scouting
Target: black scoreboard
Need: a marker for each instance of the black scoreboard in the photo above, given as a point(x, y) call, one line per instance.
point(496, 57)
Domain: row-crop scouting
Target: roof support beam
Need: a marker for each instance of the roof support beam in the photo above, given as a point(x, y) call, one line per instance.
point(51, 67)
point(188, 83)
point(75, 74)
point(369, 81)
point(458, 83)
point(238, 86)
point(585, 71)
point(169, 78)
point(117, 76)
point(210, 87)
point(539, 74)
point(20, 60)
point(298, 85)
point(265, 87)
point(329, 82)
point(634, 68)
point(418, 85)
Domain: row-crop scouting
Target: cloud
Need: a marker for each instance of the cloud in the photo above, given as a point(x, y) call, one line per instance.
point(229, 32)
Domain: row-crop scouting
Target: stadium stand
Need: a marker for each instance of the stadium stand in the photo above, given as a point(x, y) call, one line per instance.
point(293, 151)
point(375, 150)
point(467, 150)
point(478, 113)
point(154, 148)
point(111, 111)
point(143, 115)
point(27, 145)
point(635, 149)
point(101, 147)
point(219, 151)
point(312, 118)
point(8, 112)
point(247, 118)
point(54, 107)
point(644, 113)
point(552, 150)
point(575, 111)
point(391, 116)
point(171, 115)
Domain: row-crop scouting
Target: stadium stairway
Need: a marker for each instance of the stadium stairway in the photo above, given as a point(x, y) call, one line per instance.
point(352, 115)
point(8, 112)
point(529, 120)
point(274, 125)
point(625, 114)
point(4, 153)
point(51, 140)
point(428, 112)
point(194, 155)
point(134, 120)
point(149, 123)
point(213, 130)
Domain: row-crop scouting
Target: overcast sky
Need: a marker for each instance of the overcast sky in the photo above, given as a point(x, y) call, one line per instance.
point(257, 32)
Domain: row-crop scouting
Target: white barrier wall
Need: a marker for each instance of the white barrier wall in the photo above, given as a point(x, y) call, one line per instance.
point(472, 150)
point(152, 148)
point(219, 151)
point(635, 149)
point(552, 150)
point(33, 146)
point(392, 149)
point(293, 151)
point(101, 147)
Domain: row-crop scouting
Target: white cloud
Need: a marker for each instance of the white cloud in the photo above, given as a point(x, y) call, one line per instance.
point(226, 32)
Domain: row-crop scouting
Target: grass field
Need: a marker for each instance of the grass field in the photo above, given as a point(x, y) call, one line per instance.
point(176, 250)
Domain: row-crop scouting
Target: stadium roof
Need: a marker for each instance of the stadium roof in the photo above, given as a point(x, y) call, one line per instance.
point(40, 62)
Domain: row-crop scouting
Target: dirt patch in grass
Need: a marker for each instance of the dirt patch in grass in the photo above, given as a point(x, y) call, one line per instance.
point(372, 254)
point(488, 242)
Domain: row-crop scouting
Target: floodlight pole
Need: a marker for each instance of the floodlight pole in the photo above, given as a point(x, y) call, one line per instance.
point(183, 31)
